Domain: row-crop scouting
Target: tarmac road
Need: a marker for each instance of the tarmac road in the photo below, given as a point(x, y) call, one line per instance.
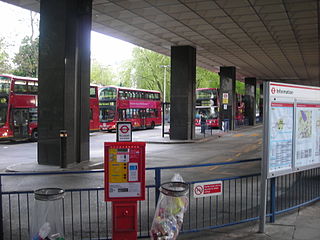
point(245, 143)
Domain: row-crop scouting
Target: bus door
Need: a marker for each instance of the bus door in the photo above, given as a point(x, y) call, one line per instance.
point(20, 122)
point(143, 114)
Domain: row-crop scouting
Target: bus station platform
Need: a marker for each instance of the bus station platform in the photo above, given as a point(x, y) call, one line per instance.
point(301, 224)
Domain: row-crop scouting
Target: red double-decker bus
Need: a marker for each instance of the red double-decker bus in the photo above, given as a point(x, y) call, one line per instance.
point(94, 109)
point(207, 102)
point(18, 107)
point(141, 107)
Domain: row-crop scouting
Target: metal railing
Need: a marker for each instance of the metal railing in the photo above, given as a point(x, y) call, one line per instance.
point(87, 216)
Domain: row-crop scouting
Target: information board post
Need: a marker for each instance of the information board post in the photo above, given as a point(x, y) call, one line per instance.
point(264, 166)
point(124, 164)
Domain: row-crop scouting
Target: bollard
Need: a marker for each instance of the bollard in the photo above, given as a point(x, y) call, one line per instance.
point(63, 148)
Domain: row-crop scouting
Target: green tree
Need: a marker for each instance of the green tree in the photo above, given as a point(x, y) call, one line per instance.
point(4, 57)
point(100, 74)
point(206, 79)
point(240, 87)
point(125, 73)
point(26, 60)
point(144, 71)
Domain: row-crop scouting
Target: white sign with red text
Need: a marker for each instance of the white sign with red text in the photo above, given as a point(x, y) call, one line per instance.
point(124, 132)
point(283, 90)
point(207, 189)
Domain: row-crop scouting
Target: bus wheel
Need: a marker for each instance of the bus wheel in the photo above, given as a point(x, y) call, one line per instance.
point(152, 125)
point(34, 135)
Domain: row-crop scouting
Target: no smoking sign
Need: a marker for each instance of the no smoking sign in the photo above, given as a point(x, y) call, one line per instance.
point(207, 189)
point(198, 190)
point(124, 133)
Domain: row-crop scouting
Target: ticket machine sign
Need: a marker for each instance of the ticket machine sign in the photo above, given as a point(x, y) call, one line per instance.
point(124, 171)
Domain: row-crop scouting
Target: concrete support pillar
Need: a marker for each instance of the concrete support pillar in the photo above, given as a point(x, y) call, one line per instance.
point(227, 94)
point(183, 84)
point(64, 80)
point(261, 103)
point(250, 100)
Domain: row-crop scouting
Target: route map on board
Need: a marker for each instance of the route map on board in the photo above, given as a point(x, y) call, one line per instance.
point(281, 122)
point(307, 134)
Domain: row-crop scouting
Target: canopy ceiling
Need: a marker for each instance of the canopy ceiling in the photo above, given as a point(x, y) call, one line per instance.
point(274, 40)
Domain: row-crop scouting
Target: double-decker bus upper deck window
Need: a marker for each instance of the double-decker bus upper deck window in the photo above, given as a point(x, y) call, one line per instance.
point(20, 87)
point(32, 87)
point(206, 94)
point(121, 94)
point(108, 94)
point(93, 92)
point(4, 85)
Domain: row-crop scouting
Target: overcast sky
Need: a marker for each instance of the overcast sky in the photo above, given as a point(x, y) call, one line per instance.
point(15, 25)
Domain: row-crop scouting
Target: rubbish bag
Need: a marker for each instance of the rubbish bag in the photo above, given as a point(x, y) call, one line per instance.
point(171, 206)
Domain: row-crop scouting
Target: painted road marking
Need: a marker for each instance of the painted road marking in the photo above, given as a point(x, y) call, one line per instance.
point(239, 135)
point(213, 168)
point(254, 135)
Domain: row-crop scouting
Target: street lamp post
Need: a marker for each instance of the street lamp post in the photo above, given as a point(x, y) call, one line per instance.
point(164, 96)
point(164, 81)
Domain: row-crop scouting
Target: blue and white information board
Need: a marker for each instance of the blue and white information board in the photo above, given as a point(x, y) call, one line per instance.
point(292, 131)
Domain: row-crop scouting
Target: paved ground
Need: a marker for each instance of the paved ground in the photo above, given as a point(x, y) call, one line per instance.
point(301, 224)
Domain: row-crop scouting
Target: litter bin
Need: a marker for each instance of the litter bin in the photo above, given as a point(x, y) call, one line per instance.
point(47, 214)
point(171, 207)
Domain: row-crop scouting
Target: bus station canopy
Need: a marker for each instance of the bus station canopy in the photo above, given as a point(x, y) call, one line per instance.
point(275, 40)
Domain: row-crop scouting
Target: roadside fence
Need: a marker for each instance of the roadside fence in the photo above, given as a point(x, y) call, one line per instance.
point(87, 216)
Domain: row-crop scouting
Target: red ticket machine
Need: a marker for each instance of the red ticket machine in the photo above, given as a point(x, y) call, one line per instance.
point(124, 185)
